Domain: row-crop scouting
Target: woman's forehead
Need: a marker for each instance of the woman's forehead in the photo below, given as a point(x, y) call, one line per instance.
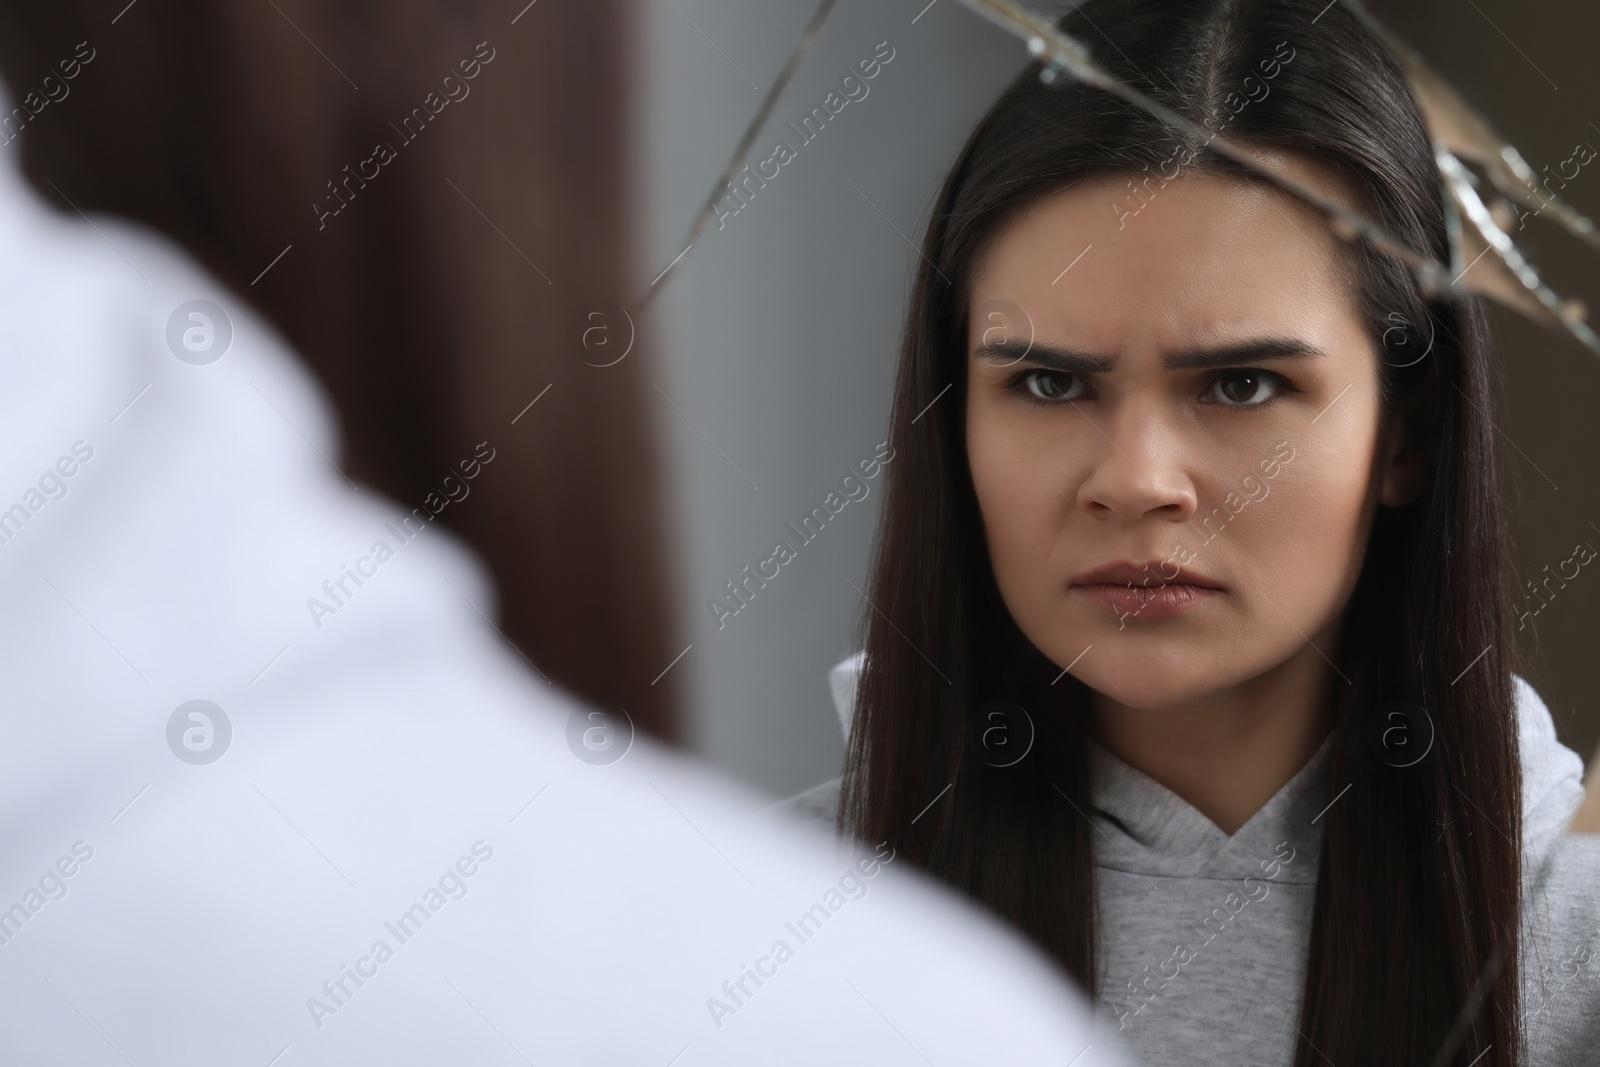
point(1111, 263)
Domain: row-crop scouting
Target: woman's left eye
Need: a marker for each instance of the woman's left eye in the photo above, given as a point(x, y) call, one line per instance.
point(1245, 387)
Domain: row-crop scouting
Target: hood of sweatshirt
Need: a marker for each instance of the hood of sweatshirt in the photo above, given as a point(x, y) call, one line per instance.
point(1145, 828)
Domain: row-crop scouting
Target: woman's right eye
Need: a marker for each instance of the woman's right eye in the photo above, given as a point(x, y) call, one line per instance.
point(1047, 387)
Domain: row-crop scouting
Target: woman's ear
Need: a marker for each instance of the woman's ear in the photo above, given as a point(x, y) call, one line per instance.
point(1408, 441)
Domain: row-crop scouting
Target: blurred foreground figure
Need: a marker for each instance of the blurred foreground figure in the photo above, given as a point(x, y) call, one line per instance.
point(273, 790)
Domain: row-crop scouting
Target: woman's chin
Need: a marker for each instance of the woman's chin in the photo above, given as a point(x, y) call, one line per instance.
point(1146, 686)
point(1144, 698)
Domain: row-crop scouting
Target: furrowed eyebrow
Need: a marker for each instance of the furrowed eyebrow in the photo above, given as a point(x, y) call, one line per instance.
point(1071, 361)
point(1256, 351)
point(1052, 357)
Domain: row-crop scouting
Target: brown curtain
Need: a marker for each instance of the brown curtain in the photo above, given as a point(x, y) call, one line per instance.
point(453, 285)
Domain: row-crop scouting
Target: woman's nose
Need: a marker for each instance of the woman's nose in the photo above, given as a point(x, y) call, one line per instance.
point(1140, 464)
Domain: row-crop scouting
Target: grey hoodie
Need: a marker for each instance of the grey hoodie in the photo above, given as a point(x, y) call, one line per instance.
point(1203, 936)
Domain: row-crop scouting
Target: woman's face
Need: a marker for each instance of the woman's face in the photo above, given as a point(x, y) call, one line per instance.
point(1190, 392)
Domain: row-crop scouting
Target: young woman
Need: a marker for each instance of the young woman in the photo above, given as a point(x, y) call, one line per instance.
point(1190, 652)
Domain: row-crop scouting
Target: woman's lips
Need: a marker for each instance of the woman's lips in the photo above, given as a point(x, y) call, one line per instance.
point(1158, 602)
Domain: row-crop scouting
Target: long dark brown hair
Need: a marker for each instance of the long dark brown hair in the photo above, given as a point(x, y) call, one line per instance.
point(1419, 880)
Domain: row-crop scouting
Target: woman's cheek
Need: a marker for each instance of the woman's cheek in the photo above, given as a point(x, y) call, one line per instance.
point(1306, 545)
point(1021, 535)
point(1013, 522)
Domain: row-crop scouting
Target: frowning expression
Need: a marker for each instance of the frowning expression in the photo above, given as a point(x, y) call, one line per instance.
point(1175, 431)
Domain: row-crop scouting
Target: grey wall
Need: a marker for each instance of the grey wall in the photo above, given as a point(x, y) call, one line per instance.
point(779, 338)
